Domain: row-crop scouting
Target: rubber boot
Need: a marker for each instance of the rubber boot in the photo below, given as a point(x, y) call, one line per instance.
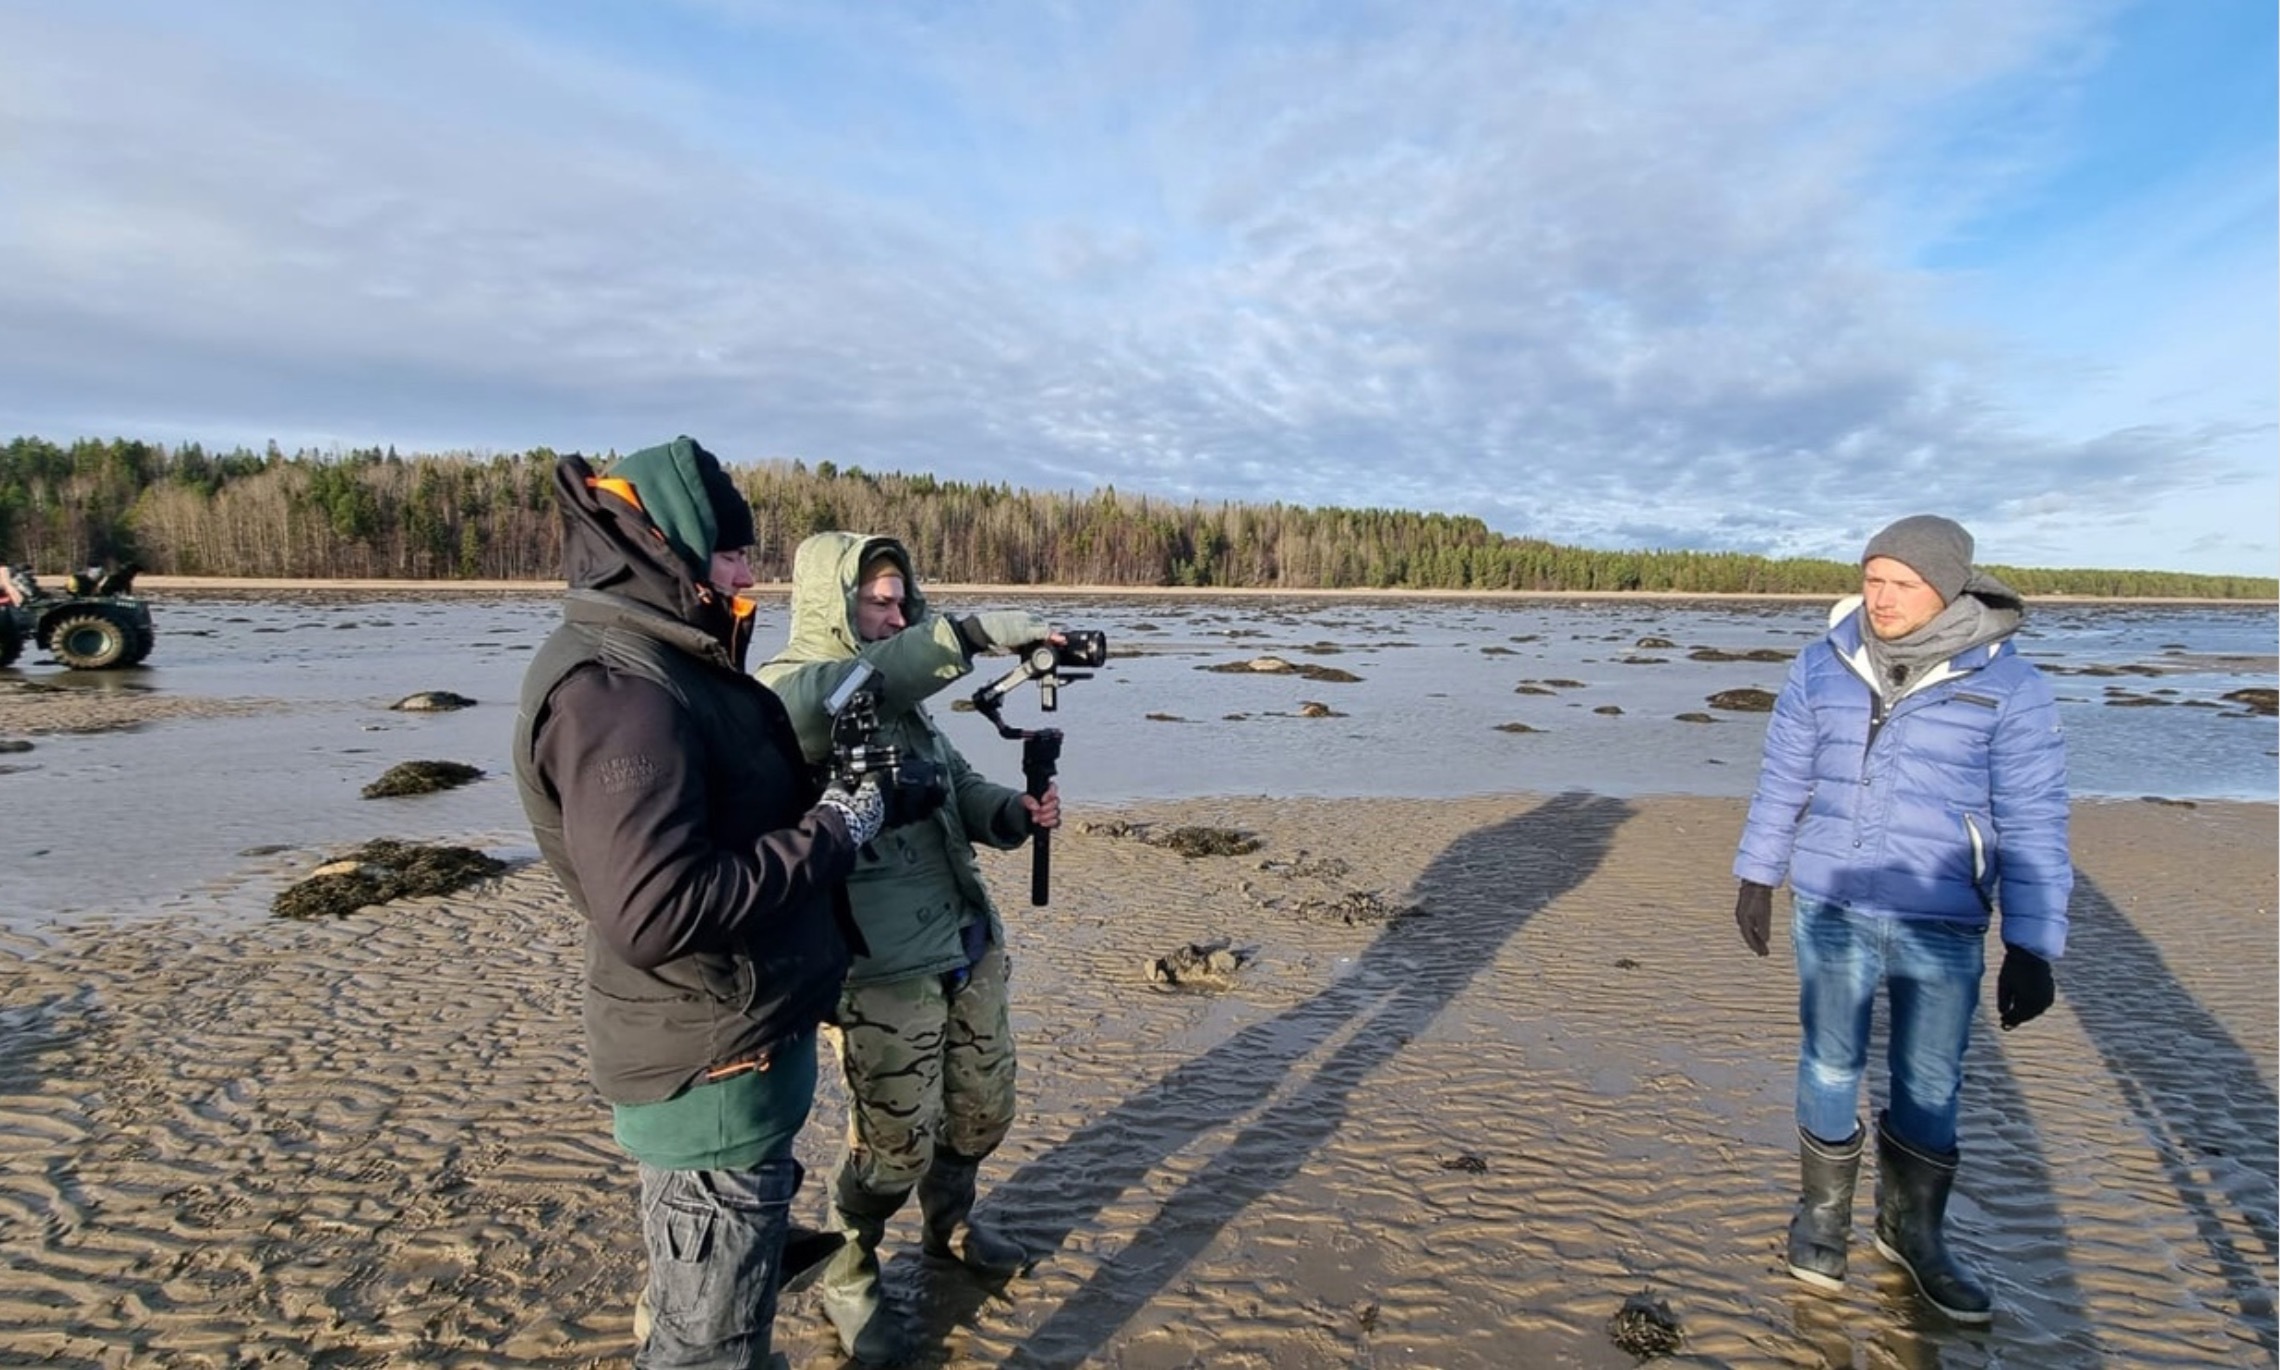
point(946, 1199)
point(870, 1328)
point(1823, 1225)
point(1911, 1210)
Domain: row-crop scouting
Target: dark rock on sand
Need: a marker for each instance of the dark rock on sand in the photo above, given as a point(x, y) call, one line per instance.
point(1694, 718)
point(2256, 699)
point(380, 871)
point(422, 777)
point(14, 744)
point(1275, 665)
point(1315, 708)
point(1753, 654)
point(432, 701)
point(1611, 710)
point(1743, 701)
point(1516, 728)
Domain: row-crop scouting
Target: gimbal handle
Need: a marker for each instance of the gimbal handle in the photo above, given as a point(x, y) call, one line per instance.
point(1040, 747)
point(1040, 752)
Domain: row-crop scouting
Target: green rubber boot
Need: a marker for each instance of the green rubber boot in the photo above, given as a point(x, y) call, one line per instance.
point(870, 1328)
point(946, 1198)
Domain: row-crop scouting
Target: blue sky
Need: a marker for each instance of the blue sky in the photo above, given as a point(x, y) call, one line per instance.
point(1757, 274)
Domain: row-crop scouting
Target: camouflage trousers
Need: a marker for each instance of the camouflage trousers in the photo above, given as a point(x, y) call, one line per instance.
point(925, 1065)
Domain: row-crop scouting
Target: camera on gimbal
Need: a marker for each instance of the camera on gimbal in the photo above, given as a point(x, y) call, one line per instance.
point(914, 785)
point(1086, 647)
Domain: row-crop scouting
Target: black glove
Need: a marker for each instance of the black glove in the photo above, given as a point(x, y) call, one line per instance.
point(1753, 914)
point(2023, 989)
point(915, 795)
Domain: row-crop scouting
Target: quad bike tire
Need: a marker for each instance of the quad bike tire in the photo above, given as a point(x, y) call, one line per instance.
point(93, 641)
point(11, 639)
point(144, 640)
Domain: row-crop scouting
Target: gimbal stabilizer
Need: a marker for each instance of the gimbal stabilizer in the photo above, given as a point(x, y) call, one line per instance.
point(1045, 663)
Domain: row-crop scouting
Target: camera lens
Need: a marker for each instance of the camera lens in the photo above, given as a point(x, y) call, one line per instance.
point(1084, 647)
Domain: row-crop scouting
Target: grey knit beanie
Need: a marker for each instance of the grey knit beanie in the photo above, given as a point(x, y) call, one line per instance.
point(1935, 548)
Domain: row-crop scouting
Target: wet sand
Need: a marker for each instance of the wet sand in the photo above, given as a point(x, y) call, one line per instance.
point(93, 702)
point(1456, 1138)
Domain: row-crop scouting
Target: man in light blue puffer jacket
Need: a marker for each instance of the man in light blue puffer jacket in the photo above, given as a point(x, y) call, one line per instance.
point(1913, 786)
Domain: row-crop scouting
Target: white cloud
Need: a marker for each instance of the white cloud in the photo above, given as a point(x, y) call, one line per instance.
point(1591, 273)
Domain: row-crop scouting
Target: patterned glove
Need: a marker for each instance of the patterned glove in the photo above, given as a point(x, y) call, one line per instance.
point(1001, 630)
point(863, 809)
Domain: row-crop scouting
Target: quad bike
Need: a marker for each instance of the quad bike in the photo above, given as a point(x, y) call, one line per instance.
point(97, 624)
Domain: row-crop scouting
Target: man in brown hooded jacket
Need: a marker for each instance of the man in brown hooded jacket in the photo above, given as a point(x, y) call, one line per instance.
point(667, 791)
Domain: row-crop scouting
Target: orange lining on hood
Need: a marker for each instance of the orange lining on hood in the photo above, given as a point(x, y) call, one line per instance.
point(738, 606)
point(621, 488)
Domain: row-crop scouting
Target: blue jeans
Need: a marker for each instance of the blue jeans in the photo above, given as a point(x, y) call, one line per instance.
point(1931, 971)
point(716, 1243)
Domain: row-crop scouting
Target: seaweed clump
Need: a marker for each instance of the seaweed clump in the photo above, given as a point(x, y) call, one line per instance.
point(1199, 965)
point(421, 777)
point(1645, 1327)
point(380, 871)
point(1195, 842)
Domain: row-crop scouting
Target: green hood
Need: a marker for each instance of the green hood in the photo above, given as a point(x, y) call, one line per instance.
point(671, 480)
point(823, 593)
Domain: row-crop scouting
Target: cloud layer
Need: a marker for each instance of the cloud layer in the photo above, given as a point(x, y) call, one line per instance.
point(1661, 274)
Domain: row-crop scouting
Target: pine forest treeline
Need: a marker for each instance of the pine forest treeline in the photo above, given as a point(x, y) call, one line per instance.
point(372, 514)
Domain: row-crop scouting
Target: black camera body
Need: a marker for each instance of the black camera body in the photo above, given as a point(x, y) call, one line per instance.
point(1084, 647)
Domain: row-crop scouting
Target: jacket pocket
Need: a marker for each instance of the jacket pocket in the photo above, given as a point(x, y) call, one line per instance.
point(1982, 860)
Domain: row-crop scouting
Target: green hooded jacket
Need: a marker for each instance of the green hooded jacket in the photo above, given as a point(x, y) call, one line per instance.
point(915, 887)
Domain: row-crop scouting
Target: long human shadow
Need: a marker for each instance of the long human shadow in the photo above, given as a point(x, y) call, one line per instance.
point(2020, 1239)
point(2198, 1095)
point(2194, 1091)
point(1474, 897)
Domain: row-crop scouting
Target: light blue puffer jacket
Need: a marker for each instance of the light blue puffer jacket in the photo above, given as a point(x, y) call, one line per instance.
point(1958, 806)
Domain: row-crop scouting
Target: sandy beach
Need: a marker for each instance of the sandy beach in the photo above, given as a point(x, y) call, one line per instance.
point(1488, 1068)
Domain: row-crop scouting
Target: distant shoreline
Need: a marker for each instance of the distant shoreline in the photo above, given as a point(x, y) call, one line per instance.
point(776, 589)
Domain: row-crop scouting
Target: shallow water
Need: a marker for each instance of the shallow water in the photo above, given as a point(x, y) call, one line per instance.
point(195, 812)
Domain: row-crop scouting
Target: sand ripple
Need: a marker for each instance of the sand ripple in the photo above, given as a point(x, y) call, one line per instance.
point(1457, 1138)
